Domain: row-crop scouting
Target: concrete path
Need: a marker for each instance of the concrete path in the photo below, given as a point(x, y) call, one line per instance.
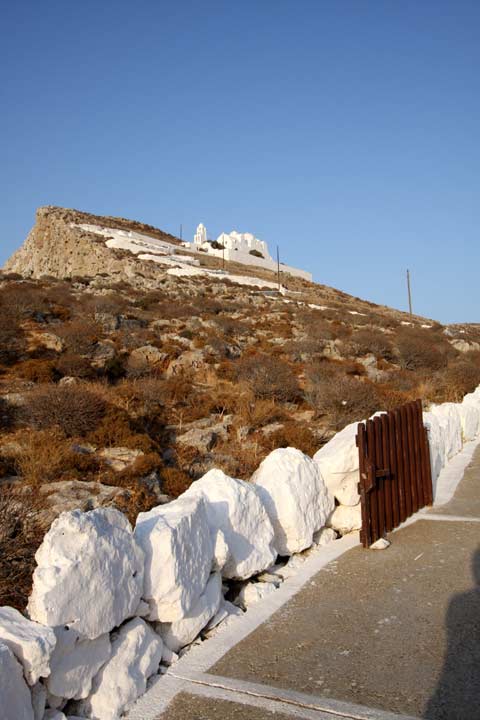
point(359, 634)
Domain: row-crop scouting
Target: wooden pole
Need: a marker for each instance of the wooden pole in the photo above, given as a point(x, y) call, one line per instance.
point(278, 268)
point(409, 293)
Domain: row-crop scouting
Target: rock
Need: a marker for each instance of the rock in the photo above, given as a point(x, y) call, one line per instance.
point(220, 553)
point(39, 700)
point(168, 656)
point(324, 536)
point(68, 380)
point(178, 550)
point(463, 346)
point(293, 492)
point(470, 419)
point(182, 632)
point(338, 463)
point(189, 360)
point(252, 593)
point(234, 507)
point(346, 518)
point(119, 458)
point(380, 544)
point(75, 662)
point(144, 358)
point(436, 441)
point(31, 643)
point(103, 353)
point(136, 655)
point(47, 340)
point(89, 574)
point(267, 577)
point(225, 614)
point(16, 701)
point(449, 418)
point(54, 715)
point(202, 434)
point(66, 495)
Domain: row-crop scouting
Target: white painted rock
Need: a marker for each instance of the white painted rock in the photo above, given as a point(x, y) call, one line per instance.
point(253, 593)
point(324, 536)
point(136, 655)
point(39, 700)
point(338, 463)
point(380, 544)
point(436, 441)
point(54, 715)
point(346, 518)
point(182, 632)
point(89, 574)
point(178, 550)
point(227, 612)
point(220, 552)
point(31, 643)
point(470, 419)
point(234, 507)
point(449, 419)
point(15, 698)
point(297, 501)
point(75, 661)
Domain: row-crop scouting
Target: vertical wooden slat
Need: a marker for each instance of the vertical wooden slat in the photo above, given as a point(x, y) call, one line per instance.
point(380, 481)
point(371, 476)
point(388, 480)
point(393, 471)
point(412, 459)
point(406, 462)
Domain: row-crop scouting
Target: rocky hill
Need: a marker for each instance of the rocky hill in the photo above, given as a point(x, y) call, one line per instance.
point(127, 371)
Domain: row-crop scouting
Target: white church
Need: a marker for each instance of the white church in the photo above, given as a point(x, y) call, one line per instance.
point(243, 248)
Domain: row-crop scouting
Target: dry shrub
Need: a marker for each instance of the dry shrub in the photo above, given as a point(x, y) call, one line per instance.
point(44, 456)
point(294, 435)
point(38, 371)
point(268, 377)
point(73, 408)
point(345, 400)
point(21, 533)
point(79, 336)
point(115, 430)
point(12, 339)
point(175, 481)
point(135, 500)
point(370, 340)
point(419, 351)
point(72, 365)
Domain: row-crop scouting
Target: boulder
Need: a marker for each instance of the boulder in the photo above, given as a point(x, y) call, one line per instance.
point(346, 518)
point(203, 434)
point(470, 419)
point(53, 714)
point(67, 495)
point(136, 655)
point(16, 701)
point(252, 593)
point(75, 662)
point(189, 360)
point(295, 496)
point(338, 463)
point(178, 549)
point(147, 356)
point(89, 573)
point(31, 643)
point(324, 536)
point(119, 458)
point(103, 353)
point(449, 418)
point(182, 632)
point(436, 441)
point(39, 700)
point(234, 507)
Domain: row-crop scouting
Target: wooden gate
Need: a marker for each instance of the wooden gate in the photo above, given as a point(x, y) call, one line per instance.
point(395, 472)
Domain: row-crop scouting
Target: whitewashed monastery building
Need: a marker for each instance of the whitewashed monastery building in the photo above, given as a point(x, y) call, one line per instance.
point(243, 248)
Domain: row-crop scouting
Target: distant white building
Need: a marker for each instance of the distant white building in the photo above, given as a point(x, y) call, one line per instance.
point(243, 248)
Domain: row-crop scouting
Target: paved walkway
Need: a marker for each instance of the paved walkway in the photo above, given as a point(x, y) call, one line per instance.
point(372, 635)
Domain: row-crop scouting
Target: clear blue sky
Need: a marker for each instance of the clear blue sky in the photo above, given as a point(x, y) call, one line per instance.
point(346, 131)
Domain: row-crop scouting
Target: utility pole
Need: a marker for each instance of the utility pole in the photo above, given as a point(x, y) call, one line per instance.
point(181, 231)
point(278, 269)
point(409, 293)
point(223, 256)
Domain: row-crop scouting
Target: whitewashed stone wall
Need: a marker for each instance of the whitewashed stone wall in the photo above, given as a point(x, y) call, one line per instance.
point(112, 606)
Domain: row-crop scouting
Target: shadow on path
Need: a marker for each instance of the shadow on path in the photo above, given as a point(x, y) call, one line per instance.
point(457, 696)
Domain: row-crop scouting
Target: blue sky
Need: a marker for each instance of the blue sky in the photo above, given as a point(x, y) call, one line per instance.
point(345, 131)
